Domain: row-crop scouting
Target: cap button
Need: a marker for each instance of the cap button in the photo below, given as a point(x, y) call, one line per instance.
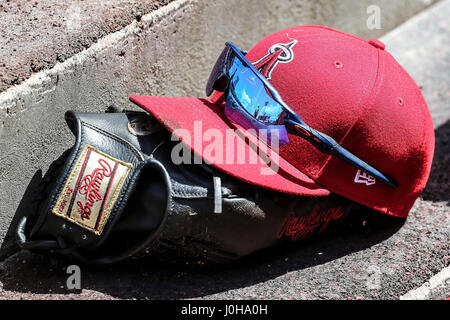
point(377, 44)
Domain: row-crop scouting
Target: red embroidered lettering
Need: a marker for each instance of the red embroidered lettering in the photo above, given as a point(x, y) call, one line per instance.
point(62, 205)
point(85, 210)
point(303, 227)
point(90, 188)
point(68, 192)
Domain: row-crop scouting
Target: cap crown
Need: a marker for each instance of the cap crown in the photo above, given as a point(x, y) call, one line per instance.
point(357, 93)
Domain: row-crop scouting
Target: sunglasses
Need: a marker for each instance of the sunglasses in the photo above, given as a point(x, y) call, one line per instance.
point(254, 104)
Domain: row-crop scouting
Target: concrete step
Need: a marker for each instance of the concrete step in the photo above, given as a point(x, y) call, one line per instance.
point(35, 35)
point(382, 264)
point(169, 51)
point(422, 46)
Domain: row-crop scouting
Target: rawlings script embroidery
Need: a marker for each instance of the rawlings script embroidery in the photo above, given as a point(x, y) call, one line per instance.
point(90, 188)
point(303, 227)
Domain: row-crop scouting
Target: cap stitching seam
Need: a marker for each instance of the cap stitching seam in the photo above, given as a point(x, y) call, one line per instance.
point(424, 138)
point(335, 31)
point(373, 92)
point(368, 202)
point(424, 114)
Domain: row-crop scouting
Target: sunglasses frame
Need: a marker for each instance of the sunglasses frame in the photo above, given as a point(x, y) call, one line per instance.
point(296, 126)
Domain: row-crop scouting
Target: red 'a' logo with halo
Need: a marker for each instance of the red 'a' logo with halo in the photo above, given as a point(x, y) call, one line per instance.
point(278, 53)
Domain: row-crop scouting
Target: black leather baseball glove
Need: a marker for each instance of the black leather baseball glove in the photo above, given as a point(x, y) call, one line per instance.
point(116, 194)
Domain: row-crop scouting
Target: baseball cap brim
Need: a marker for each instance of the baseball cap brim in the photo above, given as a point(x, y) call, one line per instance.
point(181, 114)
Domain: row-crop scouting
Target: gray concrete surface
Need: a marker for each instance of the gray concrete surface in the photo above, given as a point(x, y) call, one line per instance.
point(35, 35)
point(414, 51)
point(167, 52)
point(371, 257)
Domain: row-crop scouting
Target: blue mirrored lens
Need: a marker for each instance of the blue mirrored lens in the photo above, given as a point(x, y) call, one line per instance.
point(250, 105)
point(249, 90)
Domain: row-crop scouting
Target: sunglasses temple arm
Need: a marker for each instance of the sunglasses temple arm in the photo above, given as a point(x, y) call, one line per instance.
point(328, 145)
point(323, 142)
point(347, 156)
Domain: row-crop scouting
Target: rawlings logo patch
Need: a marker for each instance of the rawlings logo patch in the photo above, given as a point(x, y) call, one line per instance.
point(303, 227)
point(92, 189)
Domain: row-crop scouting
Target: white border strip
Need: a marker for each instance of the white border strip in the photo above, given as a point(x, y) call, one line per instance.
point(424, 291)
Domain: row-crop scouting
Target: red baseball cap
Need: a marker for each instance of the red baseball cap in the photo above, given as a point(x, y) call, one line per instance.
point(348, 88)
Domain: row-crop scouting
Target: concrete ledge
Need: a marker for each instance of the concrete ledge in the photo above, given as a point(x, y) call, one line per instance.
point(35, 35)
point(372, 257)
point(168, 52)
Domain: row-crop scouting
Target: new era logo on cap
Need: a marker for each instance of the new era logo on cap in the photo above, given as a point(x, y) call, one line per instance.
point(362, 177)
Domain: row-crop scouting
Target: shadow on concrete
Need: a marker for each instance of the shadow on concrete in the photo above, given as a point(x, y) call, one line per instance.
point(25, 208)
point(150, 279)
point(438, 186)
